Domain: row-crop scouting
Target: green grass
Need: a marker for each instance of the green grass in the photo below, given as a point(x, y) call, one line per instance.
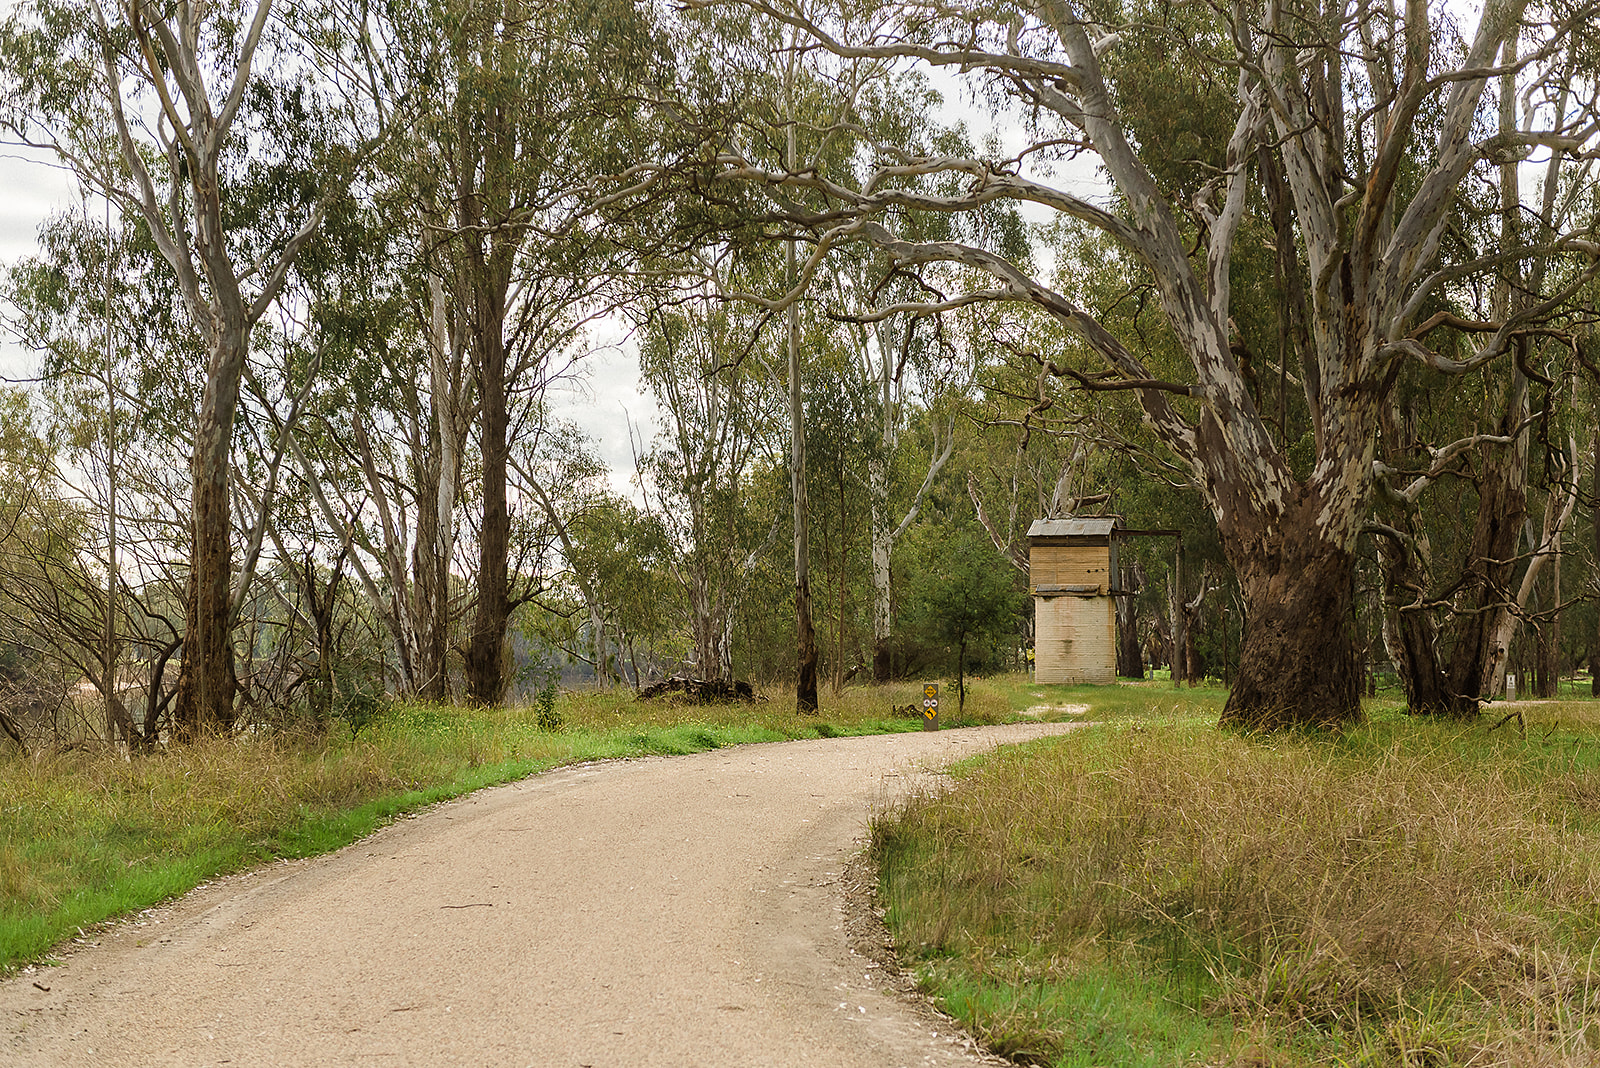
point(1152, 699)
point(1099, 1016)
point(1153, 891)
point(85, 837)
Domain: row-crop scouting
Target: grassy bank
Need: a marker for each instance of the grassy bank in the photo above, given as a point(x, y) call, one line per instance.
point(86, 836)
point(1154, 892)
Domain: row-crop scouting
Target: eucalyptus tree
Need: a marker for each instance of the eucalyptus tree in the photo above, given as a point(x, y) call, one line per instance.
point(87, 301)
point(912, 361)
point(200, 120)
point(351, 441)
point(518, 108)
point(745, 81)
point(1447, 663)
point(620, 556)
point(116, 397)
point(839, 440)
point(716, 421)
point(52, 594)
point(1360, 122)
point(568, 481)
point(900, 365)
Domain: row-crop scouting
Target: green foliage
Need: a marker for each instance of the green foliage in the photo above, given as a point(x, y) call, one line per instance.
point(358, 708)
point(546, 717)
point(1089, 1018)
point(719, 416)
point(622, 553)
point(961, 597)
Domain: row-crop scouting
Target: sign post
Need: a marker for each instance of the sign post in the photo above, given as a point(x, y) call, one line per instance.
point(930, 706)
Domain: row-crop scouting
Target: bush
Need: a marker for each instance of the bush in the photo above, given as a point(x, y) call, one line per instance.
point(546, 716)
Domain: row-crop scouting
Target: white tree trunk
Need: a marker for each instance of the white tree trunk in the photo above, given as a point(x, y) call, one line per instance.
point(1558, 511)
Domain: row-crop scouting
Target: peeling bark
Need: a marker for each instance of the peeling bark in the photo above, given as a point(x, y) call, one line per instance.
point(486, 654)
point(1366, 239)
point(1558, 512)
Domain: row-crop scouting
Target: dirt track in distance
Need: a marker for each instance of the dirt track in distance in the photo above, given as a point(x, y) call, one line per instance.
point(683, 911)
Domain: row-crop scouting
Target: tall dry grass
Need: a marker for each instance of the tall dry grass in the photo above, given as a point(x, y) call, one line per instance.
point(1412, 895)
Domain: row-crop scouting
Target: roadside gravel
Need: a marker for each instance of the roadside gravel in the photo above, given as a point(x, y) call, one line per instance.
point(667, 911)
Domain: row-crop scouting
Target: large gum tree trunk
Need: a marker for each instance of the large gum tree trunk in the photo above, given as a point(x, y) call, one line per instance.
point(1410, 634)
point(207, 682)
point(436, 503)
point(1297, 662)
point(486, 649)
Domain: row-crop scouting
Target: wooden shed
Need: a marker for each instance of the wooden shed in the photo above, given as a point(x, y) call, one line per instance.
point(1072, 571)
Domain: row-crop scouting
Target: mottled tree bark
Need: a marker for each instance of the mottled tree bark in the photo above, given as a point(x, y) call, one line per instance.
point(207, 681)
point(179, 54)
point(486, 647)
point(1371, 256)
point(1297, 663)
point(1410, 632)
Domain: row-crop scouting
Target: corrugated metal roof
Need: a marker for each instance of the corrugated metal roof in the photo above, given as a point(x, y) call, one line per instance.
point(1072, 528)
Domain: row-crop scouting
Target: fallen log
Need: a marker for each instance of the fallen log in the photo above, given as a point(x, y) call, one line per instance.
point(700, 691)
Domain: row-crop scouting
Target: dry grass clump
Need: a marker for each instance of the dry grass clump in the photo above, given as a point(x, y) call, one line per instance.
point(1355, 887)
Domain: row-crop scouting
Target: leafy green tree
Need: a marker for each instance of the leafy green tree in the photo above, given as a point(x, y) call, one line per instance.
point(961, 594)
point(717, 418)
point(516, 102)
point(621, 556)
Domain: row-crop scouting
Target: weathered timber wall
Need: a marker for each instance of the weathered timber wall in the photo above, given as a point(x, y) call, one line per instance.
point(1070, 565)
point(1074, 639)
point(1075, 623)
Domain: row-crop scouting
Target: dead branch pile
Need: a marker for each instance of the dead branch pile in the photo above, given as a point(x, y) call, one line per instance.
point(700, 691)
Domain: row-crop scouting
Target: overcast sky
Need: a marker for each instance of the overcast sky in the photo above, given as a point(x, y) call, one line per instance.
point(30, 190)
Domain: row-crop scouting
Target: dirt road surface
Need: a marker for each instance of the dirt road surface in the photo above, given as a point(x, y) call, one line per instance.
point(684, 911)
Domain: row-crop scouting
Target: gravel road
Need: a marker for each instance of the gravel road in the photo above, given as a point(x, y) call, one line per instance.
point(684, 911)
